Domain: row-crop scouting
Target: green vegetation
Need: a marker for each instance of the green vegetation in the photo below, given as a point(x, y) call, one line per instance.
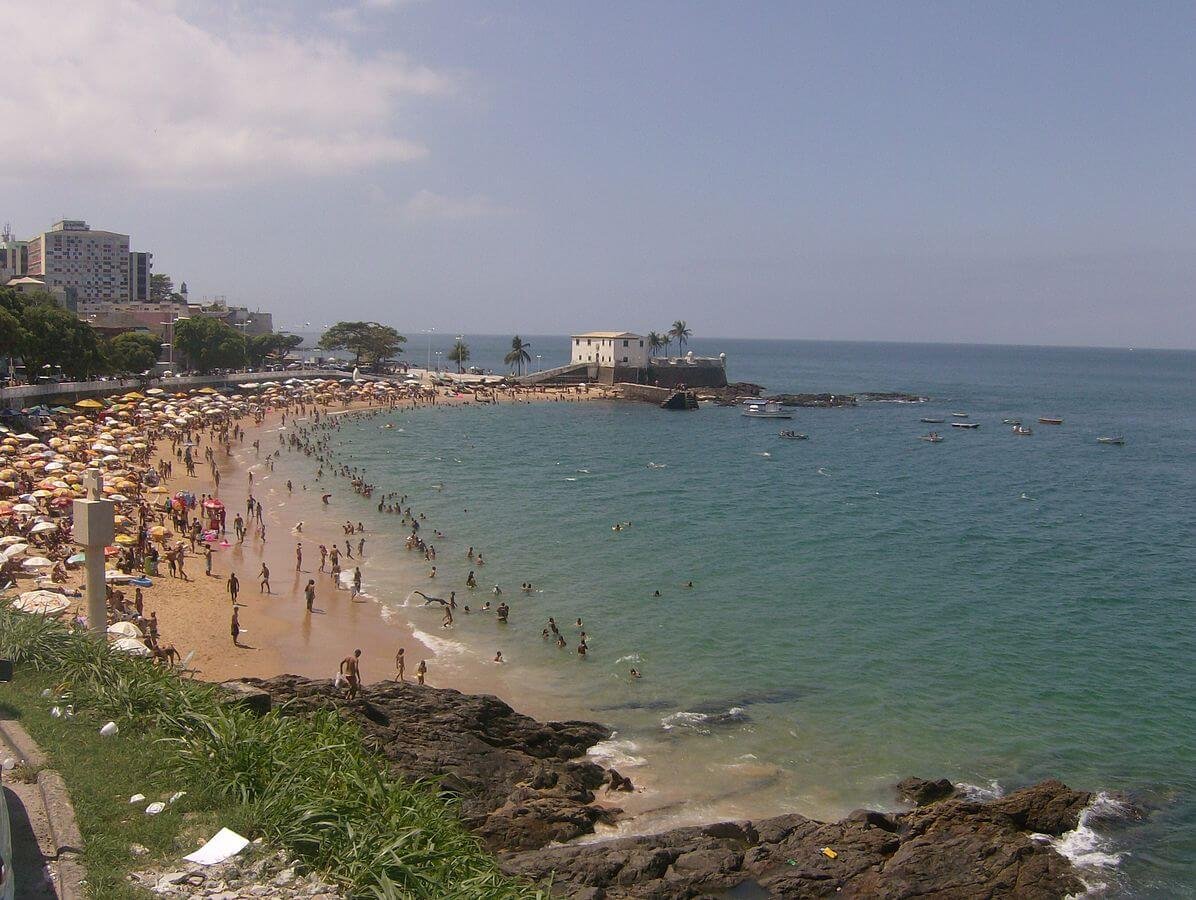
point(305, 783)
point(681, 333)
point(161, 289)
point(459, 354)
point(369, 342)
point(273, 348)
point(656, 342)
point(209, 344)
point(518, 355)
point(132, 352)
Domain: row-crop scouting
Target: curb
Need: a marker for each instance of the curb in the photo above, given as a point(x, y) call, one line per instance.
point(14, 735)
point(60, 813)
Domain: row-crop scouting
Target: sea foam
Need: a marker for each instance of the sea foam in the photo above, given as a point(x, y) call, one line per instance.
point(616, 752)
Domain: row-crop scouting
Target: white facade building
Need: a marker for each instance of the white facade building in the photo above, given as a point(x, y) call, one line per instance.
point(91, 265)
point(610, 348)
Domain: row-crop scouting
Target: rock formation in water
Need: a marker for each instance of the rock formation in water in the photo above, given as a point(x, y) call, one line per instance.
point(525, 784)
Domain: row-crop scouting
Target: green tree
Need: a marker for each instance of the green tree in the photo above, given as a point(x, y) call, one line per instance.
point(12, 333)
point(459, 354)
point(656, 343)
point(681, 333)
point(369, 342)
point(209, 343)
point(57, 337)
point(270, 347)
point(133, 352)
point(161, 286)
point(518, 355)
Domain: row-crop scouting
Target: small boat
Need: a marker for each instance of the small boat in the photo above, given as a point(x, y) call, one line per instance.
point(1111, 440)
point(1049, 420)
point(1011, 421)
point(794, 436)
point(965, 424)
point(931, 421)
point(1022, 429)
point(933, 438)
point(768, 410)
point(960, 415)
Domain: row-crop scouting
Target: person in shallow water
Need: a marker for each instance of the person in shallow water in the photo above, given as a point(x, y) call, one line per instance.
point(351, 670)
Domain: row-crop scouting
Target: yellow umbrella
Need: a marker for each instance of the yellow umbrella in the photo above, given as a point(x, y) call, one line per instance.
point(89, 404)
point(125, 539)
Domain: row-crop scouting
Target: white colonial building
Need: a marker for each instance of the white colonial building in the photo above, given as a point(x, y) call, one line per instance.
point(610, 348)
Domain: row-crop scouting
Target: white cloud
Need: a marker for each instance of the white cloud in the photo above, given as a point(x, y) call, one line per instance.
point(429, 205)
point(131, 88)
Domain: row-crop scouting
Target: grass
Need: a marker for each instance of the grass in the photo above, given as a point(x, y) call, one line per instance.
point(302, 782)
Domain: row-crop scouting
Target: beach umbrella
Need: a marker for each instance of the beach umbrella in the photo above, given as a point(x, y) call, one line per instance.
point(89, 404)
point(125, 629)
point(43, 527)
point(14, 550)
point(155, 392)
point(24, 508)
point(36, 562)
point(132, 646)
point(45, 603)
point(11, 539)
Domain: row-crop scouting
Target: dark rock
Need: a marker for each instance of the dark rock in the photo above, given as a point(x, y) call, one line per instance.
point(521, 783)
point(822, 401)
point(921, 792)
point(241, 694)
point(952, 848)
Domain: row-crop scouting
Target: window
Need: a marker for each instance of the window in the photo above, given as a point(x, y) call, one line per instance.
point(641, 345)
point(624, 343)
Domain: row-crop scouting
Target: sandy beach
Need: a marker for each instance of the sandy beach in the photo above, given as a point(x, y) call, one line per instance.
point(277, 633)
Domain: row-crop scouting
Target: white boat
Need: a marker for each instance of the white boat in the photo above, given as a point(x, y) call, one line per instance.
point(960, 415)
point(1022, 429)
point(933, 438)
point(1110, 440)
point(769, 410)
point(794, 436)
point(965, 424)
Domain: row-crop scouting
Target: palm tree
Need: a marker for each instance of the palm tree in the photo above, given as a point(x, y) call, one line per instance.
point(655, 343)
point(459, 354)
point(518, 354)
point(681, 332)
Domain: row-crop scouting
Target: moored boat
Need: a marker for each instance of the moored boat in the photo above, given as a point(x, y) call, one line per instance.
point(766, 410)
point(1011, 421)
point(794, 436)
point(1111, 440)
point(932, 421)
point(960, 415)
point(1049, 420)
point(933, 438)
point(965, 424)
point(1022, 429)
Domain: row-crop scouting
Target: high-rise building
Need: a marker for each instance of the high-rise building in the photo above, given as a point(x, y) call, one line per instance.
point(14, 256)
point(88, 265)
point(140, 267)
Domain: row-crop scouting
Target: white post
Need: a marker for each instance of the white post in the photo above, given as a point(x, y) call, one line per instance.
point(95, 529)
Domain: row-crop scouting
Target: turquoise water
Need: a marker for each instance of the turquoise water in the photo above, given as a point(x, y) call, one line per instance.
point(995, 609)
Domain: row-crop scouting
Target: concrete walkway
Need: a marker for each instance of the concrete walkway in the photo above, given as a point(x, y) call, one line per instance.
point(45, 836)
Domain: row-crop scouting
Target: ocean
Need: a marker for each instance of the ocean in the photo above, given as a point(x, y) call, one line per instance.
point(865, 606)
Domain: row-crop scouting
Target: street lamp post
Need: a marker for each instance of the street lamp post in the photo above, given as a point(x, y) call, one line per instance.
point(539, 356)
point(429, 332)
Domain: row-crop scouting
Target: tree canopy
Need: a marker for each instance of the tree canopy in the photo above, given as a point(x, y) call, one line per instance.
point(57, 337)
point(270, 347)
point(459, 354)
point(369, 342)
point(133, 352)
point(209, 343)
point(518, 355)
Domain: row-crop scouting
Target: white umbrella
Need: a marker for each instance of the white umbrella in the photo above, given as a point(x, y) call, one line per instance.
point(14, 550)
point(11, 539)
point(125, 629)
point(36, 562)
point(131, 646)
point(42, 527)
point(24, 508)
point(45, 603)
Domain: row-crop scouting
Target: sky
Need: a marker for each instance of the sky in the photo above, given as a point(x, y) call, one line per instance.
point(994, 173)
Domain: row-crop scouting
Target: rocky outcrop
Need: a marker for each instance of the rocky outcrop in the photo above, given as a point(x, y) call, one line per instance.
point(521, 783)
point(525, 785)
point(949, 848)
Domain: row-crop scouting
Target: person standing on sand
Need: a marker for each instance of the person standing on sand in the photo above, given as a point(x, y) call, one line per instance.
point(207, 559)
point(323, 557)
point(264, 577)
point(309, 593)
point(421, 671)
point(400, 664)
point(235, 628)
point(299, 556)
point(234, 587)
point(351, 670)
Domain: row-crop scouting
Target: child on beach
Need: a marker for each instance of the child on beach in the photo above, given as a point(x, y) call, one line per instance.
point(421, 671)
